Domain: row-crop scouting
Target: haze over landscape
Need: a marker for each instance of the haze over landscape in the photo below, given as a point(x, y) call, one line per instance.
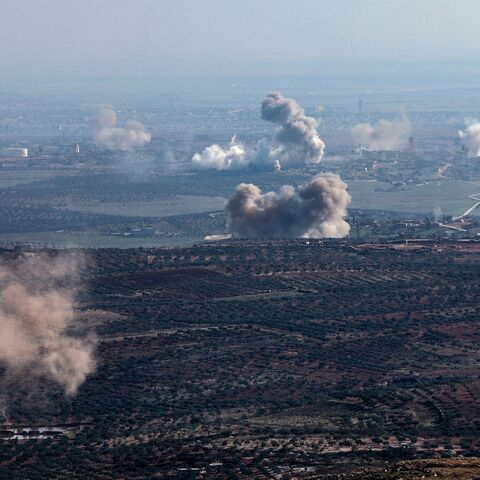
point(239, 240)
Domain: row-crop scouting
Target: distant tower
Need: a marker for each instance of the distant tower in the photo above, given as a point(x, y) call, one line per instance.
point(360, 110)
point(411, 144)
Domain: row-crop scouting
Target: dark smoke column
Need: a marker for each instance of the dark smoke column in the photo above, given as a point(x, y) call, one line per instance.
point(315, 210)
point(296, 133)
point(295, 141)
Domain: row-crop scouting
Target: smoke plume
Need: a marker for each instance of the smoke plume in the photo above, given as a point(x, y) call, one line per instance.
point(219, 158)
point(315, 210)
point(107, 135)
point(385, 135)
point(296, 135)
point(295, 141)
point(36, 313)
point(470, 137)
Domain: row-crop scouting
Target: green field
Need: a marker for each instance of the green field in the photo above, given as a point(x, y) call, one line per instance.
point(445, 196)
point(93, 240)
point(11, 179)
point(174, 205)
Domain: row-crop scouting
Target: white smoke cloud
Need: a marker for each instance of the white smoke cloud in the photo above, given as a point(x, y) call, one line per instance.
point(315, 210)
point(107, 135)
point(214, 156)
point(295, 141)
point(36, 313)
point(470, 136)
point(385, 135)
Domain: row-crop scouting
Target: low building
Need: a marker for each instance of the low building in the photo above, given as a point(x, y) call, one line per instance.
point(14, 152)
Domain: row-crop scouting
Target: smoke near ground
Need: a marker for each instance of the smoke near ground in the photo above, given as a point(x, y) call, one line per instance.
point(470, 137)
point(384, 135)
point(37, 298)
point(315, 210)
point(107, 135)
point(214, 156)
point(295, 141)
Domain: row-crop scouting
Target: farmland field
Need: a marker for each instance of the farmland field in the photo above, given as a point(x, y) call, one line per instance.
point(172, 205)
point(447, 196)
point(330, 360)
point(12, 178)
point(92, 240)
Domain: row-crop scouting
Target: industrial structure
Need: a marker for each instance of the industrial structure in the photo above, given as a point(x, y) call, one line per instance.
point(411, 144)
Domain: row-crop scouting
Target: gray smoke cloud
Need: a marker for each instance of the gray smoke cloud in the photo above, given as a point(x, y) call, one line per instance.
point(295, 141)
point(385, 135)
point(296, 135)
point(107, 135)
point(315, 210)
point(470, 136)
point(37, 298)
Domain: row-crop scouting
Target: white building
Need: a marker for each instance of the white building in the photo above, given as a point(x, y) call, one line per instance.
point(14, 152)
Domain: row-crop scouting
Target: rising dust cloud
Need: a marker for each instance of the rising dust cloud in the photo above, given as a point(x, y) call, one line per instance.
point(107, 135)
point(37, 299)
point(384, 135)
point(315, 210)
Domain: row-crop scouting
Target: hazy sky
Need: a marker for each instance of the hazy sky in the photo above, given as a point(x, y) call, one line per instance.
point(230, 36)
